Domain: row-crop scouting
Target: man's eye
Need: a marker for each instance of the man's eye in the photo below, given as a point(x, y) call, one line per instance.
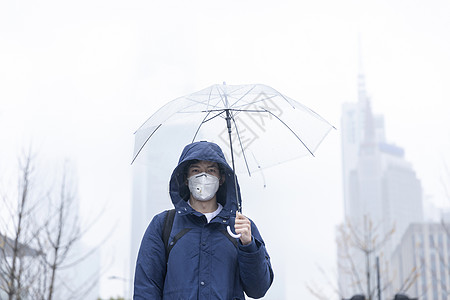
point(212, 170)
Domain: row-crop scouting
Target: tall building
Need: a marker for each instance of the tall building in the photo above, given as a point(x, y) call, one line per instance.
point(151, 174)
point(150, 196)
point(421, 262)
point(382, 194)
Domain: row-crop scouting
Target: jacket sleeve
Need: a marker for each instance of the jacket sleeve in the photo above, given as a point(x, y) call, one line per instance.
point(254, 266)
point(151, 263)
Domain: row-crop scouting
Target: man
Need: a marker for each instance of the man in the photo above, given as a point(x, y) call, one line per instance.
point(204, 262)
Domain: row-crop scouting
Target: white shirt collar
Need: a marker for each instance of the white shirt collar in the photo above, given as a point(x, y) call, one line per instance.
point(211, 215)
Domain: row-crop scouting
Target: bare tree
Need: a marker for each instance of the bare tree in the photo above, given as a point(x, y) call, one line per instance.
point(59, 241)
point(363, 240)
point(45, 233)
point(360, 250)
point(16, 271)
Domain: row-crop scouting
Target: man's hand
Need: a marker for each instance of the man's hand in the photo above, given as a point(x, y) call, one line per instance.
point(243, 226)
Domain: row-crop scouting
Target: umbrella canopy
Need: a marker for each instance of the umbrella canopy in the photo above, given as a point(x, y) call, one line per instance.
point(261, 125)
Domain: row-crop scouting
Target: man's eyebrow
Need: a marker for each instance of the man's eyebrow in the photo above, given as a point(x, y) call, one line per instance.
point(197, 165)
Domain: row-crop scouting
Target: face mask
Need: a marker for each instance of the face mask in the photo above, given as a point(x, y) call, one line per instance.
point(203, 186)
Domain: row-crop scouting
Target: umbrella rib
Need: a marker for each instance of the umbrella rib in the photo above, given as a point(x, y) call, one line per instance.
point(200, 102)
point(222, 94)
point(140, 149)
point(282, 96)
point(290, 130)
point(187, 98)
point(304, 107)
point(259, 167)
point(209, 97)
point(240, 143)
point(221, 97)
point(248, 110)
point(243, 95)
point(260, 100)
point(231, 109)
point(236, 88)
point(143, 124)
point(204, 121)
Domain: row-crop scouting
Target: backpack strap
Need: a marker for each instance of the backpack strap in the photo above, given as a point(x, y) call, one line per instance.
point(175, 240)
point(225, 233)
point(167, 229)
point(230, 238)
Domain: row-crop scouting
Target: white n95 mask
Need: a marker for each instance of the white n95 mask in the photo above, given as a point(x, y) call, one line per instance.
point(203, 186)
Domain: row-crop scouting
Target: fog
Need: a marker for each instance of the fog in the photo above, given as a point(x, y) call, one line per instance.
point(78, 78)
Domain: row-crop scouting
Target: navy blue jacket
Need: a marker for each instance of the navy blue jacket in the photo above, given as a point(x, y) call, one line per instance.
point(205, 263)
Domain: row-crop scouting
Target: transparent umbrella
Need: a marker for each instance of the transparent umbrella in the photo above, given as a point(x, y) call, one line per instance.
point(256, 126)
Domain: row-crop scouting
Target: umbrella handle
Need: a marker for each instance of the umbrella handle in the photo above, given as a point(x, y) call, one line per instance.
point(234, 235)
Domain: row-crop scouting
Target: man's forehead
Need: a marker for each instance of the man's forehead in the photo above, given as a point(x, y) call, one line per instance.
point(206, 163)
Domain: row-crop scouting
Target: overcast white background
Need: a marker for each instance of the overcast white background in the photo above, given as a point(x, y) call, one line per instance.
point(78, 77)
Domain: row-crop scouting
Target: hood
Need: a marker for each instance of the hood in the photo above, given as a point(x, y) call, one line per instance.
point(179, 191)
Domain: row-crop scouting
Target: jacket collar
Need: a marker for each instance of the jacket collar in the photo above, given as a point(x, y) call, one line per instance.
point(183, 209)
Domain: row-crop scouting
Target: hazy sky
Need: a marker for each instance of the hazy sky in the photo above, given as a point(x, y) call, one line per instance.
point(78, 77)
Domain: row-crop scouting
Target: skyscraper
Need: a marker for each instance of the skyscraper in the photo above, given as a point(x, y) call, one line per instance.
point(421, 261)
point(381, 193)
point(150, 196)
